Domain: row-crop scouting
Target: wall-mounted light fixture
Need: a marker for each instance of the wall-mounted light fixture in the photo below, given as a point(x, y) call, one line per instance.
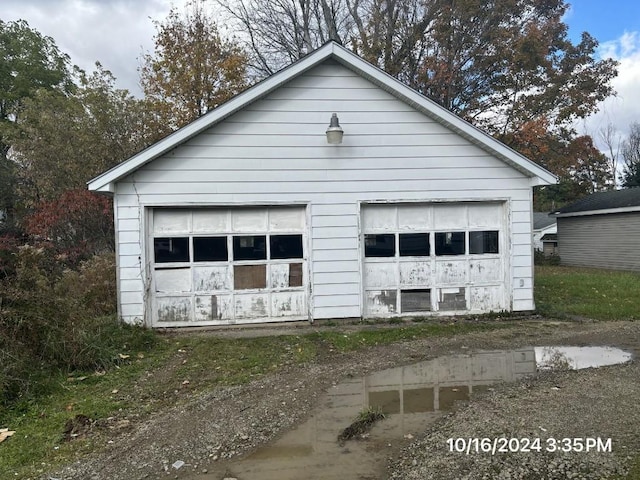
point(334, 132)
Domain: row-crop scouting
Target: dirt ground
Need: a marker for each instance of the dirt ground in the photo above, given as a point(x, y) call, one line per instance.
point(229, 422)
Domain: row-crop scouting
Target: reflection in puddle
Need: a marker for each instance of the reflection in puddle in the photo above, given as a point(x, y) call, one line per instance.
point(579, 357)
point(412, 397)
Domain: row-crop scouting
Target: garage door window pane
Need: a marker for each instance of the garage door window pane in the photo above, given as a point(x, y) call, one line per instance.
point(415, 300)
point(169, 249)
point(249, 277)
point(295, 274)
point(414, 244)
point(483, 242)
point(250, 247)
point(452, 299)
point(286, 246)
point(380, 245)
point(210, 249)
point(450, 243)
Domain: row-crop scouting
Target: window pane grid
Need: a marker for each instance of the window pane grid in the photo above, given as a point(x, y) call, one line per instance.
point(380, 245)
point(210, 249)
point(450, 243)
point(171, 249)
point(414, 244)
point(483, 242)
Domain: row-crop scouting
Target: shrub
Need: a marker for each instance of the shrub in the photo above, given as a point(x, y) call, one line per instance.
point(92, 287)
point(52, 319)
point(74, 227)
point(9, 244)
point(540, 258)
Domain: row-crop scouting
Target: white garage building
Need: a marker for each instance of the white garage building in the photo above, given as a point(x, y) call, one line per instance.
point(248, 214)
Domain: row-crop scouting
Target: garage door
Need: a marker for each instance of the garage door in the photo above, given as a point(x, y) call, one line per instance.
point(421, 258)
point(217, 266)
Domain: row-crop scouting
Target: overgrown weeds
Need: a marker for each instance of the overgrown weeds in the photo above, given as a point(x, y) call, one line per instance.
point(53, 319)
point(540, 258)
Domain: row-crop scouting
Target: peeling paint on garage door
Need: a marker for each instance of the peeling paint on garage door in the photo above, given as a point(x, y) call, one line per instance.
point(434, 257)
point(228, 265)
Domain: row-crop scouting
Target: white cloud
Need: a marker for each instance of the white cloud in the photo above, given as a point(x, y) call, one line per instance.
point(117, 32)
point(624, 108)
point(113, 32)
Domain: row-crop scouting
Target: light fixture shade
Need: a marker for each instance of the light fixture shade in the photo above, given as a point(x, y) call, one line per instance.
point(334, 132)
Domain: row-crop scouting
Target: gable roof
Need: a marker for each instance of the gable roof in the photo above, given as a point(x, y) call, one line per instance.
point(614, 201)
point(542, 220)
point(539, 176)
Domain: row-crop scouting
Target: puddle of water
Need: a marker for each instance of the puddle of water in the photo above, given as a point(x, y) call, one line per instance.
point(577, 358)
point(412, 397)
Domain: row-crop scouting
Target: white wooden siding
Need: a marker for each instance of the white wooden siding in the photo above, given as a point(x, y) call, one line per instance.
point(274, 152)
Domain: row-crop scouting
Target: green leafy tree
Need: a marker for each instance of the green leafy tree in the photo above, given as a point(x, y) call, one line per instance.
point(29, 62)
point(192, 70)
point(68, 138)
point(631, 176)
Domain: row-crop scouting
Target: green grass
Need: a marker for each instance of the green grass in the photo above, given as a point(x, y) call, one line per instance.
point(176, 367)
point(634, 469)
point(155, 371)
point(39, 419)
point(362, 424)
point(595, 294)
point(345, 342)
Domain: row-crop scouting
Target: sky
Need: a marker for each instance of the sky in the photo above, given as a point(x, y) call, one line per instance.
point(118, 32)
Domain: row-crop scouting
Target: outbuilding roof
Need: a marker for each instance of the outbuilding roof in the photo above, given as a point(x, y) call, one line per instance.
point(542, 220)
point(613, 201)
point(330, 51)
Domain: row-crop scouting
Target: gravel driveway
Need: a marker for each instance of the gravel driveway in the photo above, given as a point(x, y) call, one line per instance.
point(576, 405)
point(229, 422)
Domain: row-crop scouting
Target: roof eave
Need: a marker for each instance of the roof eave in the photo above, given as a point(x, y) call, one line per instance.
point(604, 211)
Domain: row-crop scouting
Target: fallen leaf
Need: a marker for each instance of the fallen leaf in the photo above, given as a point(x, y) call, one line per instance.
point(5, 433)
point(123, 356)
